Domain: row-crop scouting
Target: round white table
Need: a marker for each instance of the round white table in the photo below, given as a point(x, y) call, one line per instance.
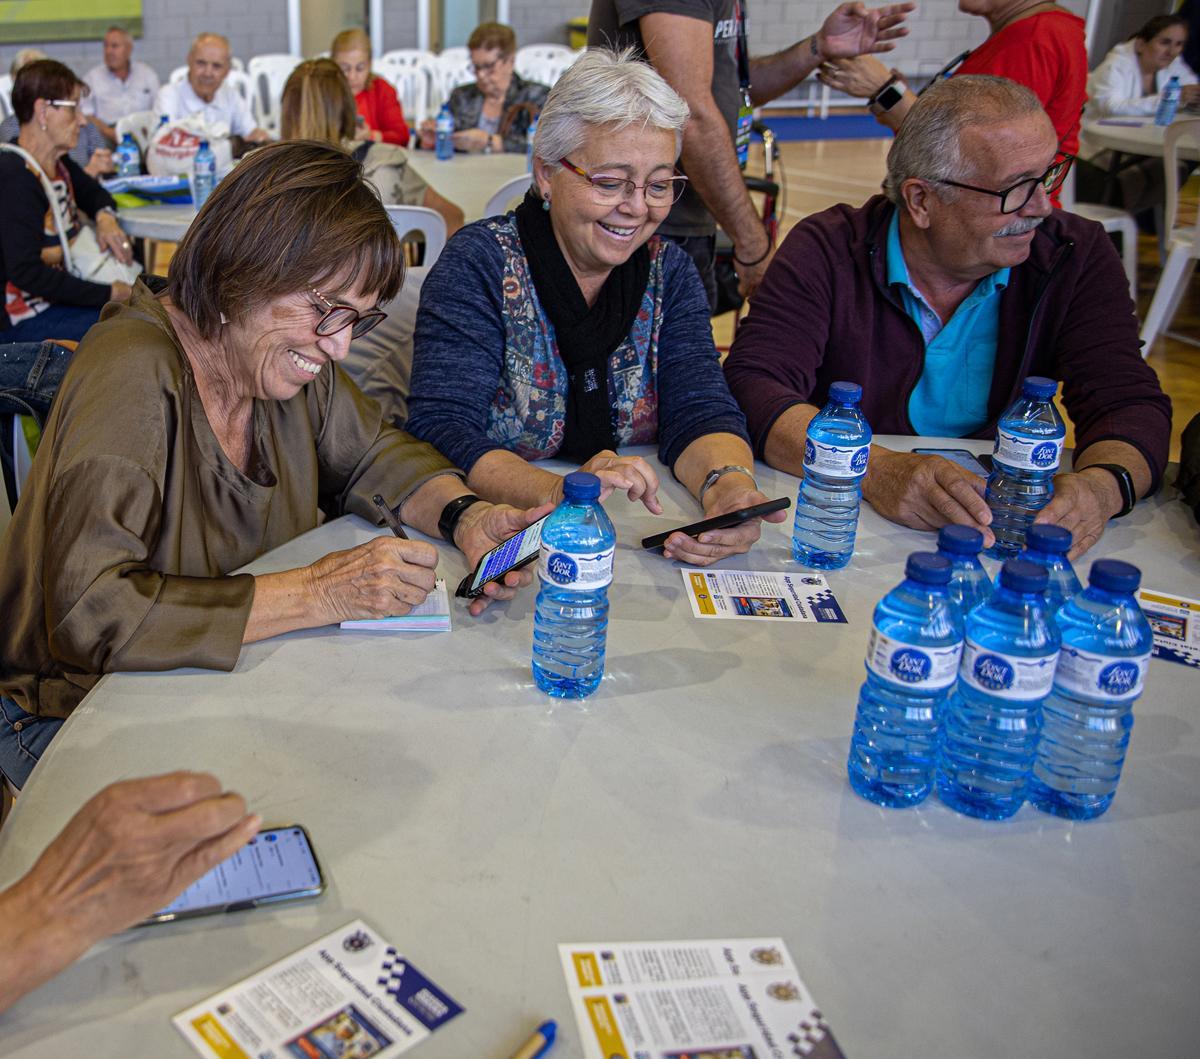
point(700, 793)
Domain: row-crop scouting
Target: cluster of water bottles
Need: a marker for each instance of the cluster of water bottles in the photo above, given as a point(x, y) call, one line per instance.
point(127, 160)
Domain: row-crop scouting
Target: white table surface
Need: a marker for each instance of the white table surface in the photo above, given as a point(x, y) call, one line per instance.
point(466, 179)
point(1134, 136)
point(701, 793)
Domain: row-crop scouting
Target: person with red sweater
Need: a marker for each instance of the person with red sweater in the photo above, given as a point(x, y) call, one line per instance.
point(381, 117)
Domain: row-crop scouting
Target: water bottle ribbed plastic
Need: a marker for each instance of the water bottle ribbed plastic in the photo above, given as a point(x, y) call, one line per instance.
point(969, 582)
point(1089, 714)
point(994, 716)
point(575, 569)
point(1048, 546)
point(1029, 442)
point(444, 134)
point(1168, 102)
point(205, 175)
point(912, 660)
point(836, 451)
point(529, 135)
point(128, 160)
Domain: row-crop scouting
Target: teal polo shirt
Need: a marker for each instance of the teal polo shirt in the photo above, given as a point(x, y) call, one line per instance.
point(951, 396)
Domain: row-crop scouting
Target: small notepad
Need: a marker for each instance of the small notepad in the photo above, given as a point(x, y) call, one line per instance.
point(431, 616)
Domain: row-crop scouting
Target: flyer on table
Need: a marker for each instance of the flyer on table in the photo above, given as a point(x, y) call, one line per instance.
point(727, 999)
point(760, 595)
point(1175, 623)
point(348, 994)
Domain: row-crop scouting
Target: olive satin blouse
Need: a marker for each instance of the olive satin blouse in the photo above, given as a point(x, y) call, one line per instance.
point(118, 555)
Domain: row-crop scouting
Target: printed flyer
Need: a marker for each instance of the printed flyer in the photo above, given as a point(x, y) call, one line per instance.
point(759, 595)
point(1175, 622)
point(348, 995)
point(733, 999)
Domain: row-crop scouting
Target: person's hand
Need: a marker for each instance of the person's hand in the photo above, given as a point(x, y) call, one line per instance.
point(730, 492)
point(427, 134)
point(750, 276)
point(100, 163)
point(362, 132)
point(384, 578)
point(1082, 503)
point(482, 527)
point(258, 136)
point(855, 29)
point(630, 475)
point(1189, 95)
point(472, 141)
point(926, 492)
point(119, 292)
point(111, 237)
point(860, 77)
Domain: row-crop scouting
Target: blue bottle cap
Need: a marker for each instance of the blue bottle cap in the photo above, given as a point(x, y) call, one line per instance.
point(928, 568)
point(1112, 575)
point(845, 393)
point(962, 540)
point(579, 486)
point(1053, 539)
point(1040, 387)
point(203, 145)
point(1020, 575)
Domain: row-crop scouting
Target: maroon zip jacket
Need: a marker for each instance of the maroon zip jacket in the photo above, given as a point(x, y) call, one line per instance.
point(824, 313)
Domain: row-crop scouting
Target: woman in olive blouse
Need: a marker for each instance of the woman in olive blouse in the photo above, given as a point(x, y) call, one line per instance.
point(200, 428)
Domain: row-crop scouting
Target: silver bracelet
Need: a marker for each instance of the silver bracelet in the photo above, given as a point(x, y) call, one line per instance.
point(714, 475)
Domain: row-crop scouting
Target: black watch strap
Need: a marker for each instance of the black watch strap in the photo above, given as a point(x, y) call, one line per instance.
point(1124, 483)
point(452, 512)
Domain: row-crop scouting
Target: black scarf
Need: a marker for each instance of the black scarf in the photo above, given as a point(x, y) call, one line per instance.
point(586, 337)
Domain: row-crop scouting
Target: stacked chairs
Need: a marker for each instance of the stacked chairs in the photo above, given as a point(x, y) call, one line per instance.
point(452, 67)
point(411, 73)
point(544, 63)
point(268, 75)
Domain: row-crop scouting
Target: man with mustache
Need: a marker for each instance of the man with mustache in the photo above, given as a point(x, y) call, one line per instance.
point(940, 297)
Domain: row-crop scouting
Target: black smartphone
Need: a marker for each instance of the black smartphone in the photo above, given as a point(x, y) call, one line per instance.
point(980, 465)
point(731, 518)
point(519, 550)
point(274, 866)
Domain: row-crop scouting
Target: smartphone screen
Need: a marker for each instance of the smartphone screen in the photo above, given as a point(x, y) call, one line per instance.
point(274, 865)
point(967, 460)
point(513, 552)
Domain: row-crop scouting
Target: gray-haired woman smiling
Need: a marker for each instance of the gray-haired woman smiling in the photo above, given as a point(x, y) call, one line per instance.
point(564, 329)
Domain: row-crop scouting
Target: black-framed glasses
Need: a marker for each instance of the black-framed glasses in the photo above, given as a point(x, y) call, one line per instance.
point(487, 68)
point(613, 190)
point(338, 317)
point(1016, 197)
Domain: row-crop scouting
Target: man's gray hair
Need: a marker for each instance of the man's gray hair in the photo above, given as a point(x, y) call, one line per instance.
point(119, 29)
point(605, 87)
point(928, 145)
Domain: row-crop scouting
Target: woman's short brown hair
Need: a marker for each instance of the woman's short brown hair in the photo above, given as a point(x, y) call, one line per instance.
point(292, 215)
point(43, 79)
point(488, 35)
point(317, 104)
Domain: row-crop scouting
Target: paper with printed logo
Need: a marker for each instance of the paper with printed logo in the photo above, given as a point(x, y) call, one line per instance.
point(348, 994)
point(761, 596)
point(1175, 622)
point(731, 999)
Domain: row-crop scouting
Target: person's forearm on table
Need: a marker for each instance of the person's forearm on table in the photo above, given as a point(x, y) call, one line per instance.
point(712, 452)
point(33, 945)
point(503, 477)
point(1123, 455)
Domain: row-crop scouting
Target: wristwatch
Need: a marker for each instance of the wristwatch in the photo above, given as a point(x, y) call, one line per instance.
point(1124, 483)
point(452, 512)
point(888, 95)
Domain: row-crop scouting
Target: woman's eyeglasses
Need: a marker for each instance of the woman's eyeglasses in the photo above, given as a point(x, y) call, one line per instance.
point(1016, 197)
point(613, 190)
point(338, 317)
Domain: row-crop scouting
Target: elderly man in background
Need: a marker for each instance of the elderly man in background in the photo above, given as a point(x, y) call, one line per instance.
point(119, 85)
point(205, 92)
point(940, 297)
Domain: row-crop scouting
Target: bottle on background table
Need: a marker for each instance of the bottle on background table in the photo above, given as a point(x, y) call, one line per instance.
point(912, 661)
point(204, 177)
point(994, 715)
point(969, 583)
point(1168, 102)
point(836, 450)
point(1048, 546)
point(444, 134)
point(127, 158)
point(1029, 444)
point(1106, 644)
point(571, 614)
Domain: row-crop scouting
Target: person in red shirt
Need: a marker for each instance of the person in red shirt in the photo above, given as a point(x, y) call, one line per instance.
point(381, 118)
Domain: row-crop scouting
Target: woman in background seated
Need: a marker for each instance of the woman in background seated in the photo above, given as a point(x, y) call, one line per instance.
point(493, 114)
point(564, 329)
point(198, 429)
point(382, 117)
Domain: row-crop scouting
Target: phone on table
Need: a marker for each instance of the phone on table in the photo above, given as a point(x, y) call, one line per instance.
point(519, 550)
point(276, 865)
point(980, 465)
point(730, 518)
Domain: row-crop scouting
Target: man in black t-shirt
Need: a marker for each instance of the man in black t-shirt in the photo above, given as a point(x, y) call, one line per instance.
point(694, 44)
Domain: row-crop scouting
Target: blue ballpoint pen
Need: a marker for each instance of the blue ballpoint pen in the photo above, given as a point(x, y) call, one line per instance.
point(540, 1043)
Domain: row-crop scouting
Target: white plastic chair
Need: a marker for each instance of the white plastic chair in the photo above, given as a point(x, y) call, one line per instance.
point(411, 73)
point(268, 75)
point(6, 83)
point(1111, 220)
point(1183, 243)
point(544, 63)
point(452, 68)
point(429, 224)
point(508, 192)
point(140, 124)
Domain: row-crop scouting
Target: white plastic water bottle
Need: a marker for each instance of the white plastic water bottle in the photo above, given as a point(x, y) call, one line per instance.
point(529, 135)
point(1048, 546)
point(1089, 715)
point(969, 584)
point(127, 158)
point(836, 450)
point(204, 175)
point(1029, 444)
point(1168, 102)
point(444, 134)
point(575, 568)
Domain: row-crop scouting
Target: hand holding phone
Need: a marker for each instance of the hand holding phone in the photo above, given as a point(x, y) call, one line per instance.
point(730, 518)
point(519, 550)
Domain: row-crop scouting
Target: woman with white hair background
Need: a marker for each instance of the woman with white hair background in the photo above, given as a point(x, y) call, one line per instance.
point(566, 329)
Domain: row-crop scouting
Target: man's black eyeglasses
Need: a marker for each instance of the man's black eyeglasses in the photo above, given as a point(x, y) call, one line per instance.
point(1015, 198)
